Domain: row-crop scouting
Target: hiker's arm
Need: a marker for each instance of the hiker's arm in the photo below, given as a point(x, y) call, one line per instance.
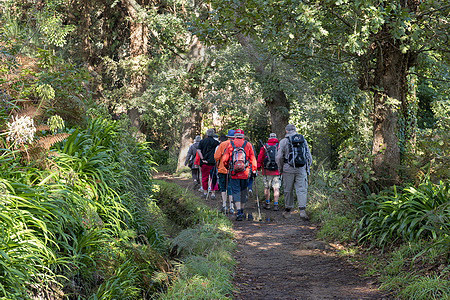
point(261, 157)
point(218, 153)
point(253, 159)
point(199, 152)
point(188, 156)
point(279, 158)
point(309, 159)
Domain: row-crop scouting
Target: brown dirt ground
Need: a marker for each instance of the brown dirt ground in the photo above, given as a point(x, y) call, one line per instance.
point(280, 258)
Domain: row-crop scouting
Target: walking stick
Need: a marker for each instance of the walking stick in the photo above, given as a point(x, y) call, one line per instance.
point(257, 200)
point(209, 186)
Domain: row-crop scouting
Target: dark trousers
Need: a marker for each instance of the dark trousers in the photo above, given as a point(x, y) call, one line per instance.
point(196, 175)
point(239, 190)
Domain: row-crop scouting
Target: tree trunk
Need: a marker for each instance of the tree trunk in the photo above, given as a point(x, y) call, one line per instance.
point(390, 82)
point(276, 100)
point(85, 29)
point(191, 128)
point(192, 124)
point(278, 106)
point(138, 49)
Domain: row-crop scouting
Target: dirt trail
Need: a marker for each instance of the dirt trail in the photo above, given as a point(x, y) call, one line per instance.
point(281, 259)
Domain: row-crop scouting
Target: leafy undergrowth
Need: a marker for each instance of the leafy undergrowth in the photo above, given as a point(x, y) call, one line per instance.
point(203, 248)
point(88, 222)
point(401, 237)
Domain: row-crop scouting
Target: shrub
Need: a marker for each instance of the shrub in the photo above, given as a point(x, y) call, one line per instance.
point(417, 213)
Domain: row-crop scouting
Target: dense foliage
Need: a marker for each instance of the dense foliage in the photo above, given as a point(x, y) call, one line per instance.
point(96, 95)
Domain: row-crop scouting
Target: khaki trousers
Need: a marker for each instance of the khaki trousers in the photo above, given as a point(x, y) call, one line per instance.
point(299, 182)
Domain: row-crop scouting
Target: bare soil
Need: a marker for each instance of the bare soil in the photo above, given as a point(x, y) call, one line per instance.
point(279, 258)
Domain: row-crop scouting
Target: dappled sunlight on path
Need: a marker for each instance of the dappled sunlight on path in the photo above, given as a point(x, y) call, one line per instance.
point(282, 259)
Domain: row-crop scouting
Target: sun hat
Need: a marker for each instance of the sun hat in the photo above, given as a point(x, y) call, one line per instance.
point(197, 138)
point(272, 136)
point(230, 133)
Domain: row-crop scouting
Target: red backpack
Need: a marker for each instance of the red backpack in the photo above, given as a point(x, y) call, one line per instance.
point(239, 160)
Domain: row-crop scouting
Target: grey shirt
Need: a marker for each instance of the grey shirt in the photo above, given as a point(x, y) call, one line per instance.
point(191, 153)
point(283, 155)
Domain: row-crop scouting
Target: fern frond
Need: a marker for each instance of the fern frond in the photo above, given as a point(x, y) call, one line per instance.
point(48, 141)
point(29, 110)
point(43, 127)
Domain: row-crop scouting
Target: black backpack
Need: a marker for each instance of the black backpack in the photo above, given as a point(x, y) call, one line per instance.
point(297, 151)
point(269, 161)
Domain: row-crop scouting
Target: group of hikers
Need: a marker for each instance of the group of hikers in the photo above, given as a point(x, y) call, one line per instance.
point(228, 164)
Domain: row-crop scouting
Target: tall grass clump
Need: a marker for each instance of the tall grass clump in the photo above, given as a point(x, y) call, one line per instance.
point(81, 225)
point(413, 226)
point(421, 212)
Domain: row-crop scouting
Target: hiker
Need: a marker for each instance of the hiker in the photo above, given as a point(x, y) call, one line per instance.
point(190, 159)
point(269, 169)
point(197, 166)
point(294, 162)
point(250, 177)
point(224, 184)
point(205, 150)
point(240, 160)
point(214, 173)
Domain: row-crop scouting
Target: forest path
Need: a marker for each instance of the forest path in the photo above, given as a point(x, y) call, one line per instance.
point(282, 259)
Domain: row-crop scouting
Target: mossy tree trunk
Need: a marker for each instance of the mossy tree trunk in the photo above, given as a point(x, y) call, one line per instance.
point(193, 122)
point(138, 51)
point(391, 94)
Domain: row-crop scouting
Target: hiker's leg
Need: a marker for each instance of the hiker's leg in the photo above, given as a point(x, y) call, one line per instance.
point(250, 182)
point(235, 188)
point(229, 192)
point(223, 188)
point(243, 191)
point(195, 175)
point(288, 185)
point(205, 177)
point(266, 181)
point(301, 188)
point(276, 188)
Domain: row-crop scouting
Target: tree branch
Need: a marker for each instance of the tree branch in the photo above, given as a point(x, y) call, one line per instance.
point(431, 11)
point(428, 78)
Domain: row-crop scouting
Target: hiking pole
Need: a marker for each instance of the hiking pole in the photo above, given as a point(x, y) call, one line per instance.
point(209, 186)
point(257, 199)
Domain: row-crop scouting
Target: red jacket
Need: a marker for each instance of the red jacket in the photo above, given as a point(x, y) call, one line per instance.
point(238, 142)
point(262, 155)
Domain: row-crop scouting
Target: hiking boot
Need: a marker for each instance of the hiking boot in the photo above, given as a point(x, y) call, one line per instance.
point(266, 205)
point(205, 196)
point(231, 211)
point(275, 207)
point(223, 210)
point(213, 196)
point(286, 214)
point(240, 217)
point(250, 217)
point(303, 215)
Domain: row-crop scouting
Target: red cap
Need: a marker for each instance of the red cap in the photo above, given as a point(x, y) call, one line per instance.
point(239, 133)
